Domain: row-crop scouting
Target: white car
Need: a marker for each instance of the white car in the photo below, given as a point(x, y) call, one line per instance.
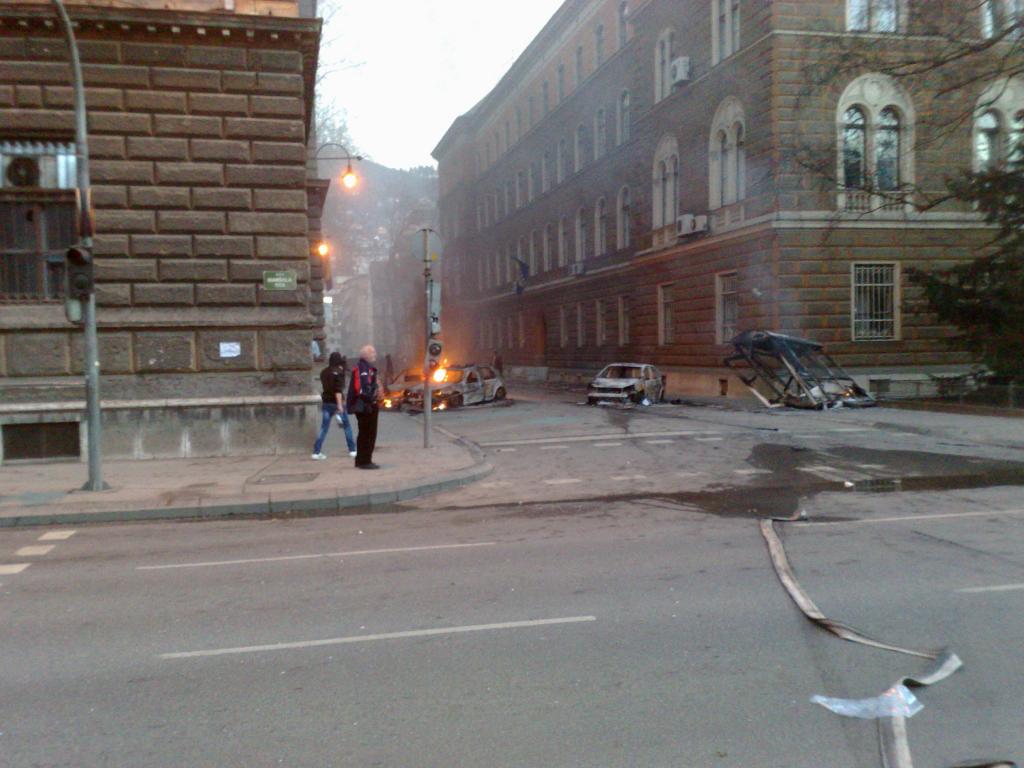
point(622, 383)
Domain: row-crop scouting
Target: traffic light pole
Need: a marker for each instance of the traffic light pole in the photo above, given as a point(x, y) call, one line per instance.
point(85, 233)
point(428, 395)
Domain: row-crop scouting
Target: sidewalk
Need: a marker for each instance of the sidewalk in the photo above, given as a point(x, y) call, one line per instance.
point(46, 494)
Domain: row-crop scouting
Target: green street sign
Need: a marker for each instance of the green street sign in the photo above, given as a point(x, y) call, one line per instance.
point(280, 280)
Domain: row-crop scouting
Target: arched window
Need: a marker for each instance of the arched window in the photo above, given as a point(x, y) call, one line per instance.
point(578, 150)
point(875, 121)
point(581, 234)
point(561, 162)
point(723, 168)
point(855, 142)
point(998, 16)
point(545, 172)
point(998, 125)
point(727, 155)
point(887, 150)
point(599, 45)
point(600, 134)
point(561, 83)
point(622, 219)
point(662, 65)
point(549, 245)
point(665, 183)
point(623, 24)
point(545, 97)
point(624, 118)
point(741, 162)
point(601, 228)
point(872, 15)
point(579, 65)
point(563, 241)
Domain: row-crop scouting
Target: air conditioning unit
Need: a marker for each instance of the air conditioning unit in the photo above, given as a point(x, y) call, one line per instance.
point(22, 172)
point(578, 268)
point(688, 224)
point(679, 70)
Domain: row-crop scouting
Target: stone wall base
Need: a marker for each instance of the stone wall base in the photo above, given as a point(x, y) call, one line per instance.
point(187, 429)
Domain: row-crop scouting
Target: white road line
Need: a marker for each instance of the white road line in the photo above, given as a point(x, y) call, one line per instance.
point(915, 518)
point(35, 550)
point(353, 553)
point(690, 474)
point(553, 447)
point(563, 481)
point(996, 588)
point(496, 484)
point(10, 570)
point(629, 477)
point(810, 437)
point(57, 536)
point(709, 439)
point(660, 442)
point(591, 438)
point(824, 472)
point(607, 445)
point(871, 466)
point(384, 636)
point(851, 429)
point(752, 471)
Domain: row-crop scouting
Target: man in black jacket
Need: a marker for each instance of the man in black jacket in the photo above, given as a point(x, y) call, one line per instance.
point(332, 382)
point(364, 395)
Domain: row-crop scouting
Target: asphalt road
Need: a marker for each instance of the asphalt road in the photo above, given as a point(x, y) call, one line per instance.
point(630, 622)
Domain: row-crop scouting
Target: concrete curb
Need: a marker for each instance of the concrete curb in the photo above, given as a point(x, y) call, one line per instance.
point(270, 508)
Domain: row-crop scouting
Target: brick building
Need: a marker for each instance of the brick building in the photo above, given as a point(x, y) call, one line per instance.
point(637, 187)
point(200, 126)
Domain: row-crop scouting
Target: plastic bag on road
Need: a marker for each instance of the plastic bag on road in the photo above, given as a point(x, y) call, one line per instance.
point(898, 701)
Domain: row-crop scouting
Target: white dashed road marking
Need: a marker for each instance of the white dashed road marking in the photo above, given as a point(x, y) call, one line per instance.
point(563, 481)
point(709, 439)
point(660, 442)
point(385, 636)
point(496, 484)
point(57, 536)
point(619, 478)
point(752, 471)
point(35, 550)
point(553, 447)
point(996, 588)
point(10, 570)
point(607, 445)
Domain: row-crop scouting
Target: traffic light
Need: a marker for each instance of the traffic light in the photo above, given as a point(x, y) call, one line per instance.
point(323, 250)
point(434, 350)
point(79, 275)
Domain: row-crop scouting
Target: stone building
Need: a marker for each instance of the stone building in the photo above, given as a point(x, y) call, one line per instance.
point(200, 126)
point(641, 185)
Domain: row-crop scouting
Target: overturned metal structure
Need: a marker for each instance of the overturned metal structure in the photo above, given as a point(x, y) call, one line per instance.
point(789, 371)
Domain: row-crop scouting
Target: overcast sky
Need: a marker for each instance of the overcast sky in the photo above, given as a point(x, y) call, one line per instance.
point(421, 64)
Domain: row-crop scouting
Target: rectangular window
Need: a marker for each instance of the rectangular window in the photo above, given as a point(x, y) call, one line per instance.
point(623, 321)
point(34, 236)
point(561, 83)
point(579, 65)
point(600, 329)
point(666, 311)
point(726, 307)
point(563, 328)
point(581, 328)
point(875, 301)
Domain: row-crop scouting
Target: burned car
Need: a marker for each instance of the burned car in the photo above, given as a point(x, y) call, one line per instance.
point(623, 383)
point(397, 390)
point(458, 385)
point(787, 370)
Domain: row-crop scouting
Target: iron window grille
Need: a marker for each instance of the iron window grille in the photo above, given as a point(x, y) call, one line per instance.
point(875, 302)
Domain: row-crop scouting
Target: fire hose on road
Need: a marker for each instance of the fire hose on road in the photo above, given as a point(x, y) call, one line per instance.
point(892, 708)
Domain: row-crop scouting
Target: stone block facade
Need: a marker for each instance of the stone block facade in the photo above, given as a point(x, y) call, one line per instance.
point(198, 129)
point(561, 194)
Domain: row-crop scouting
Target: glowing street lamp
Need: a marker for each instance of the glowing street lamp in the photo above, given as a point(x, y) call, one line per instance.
point(349, 179)
point(323, 249)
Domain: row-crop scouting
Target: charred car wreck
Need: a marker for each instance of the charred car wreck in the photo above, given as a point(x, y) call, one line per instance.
point(789, 371)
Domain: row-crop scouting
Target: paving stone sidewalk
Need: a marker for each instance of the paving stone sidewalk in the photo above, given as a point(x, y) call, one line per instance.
point(47, 493)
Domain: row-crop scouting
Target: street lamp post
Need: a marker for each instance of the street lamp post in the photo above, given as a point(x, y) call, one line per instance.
point(85, 244)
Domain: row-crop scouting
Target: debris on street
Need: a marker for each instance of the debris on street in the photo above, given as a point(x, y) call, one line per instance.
point(790, 371)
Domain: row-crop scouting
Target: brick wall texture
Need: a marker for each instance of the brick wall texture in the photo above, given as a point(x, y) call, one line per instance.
point(198, 160)
point(787, 240)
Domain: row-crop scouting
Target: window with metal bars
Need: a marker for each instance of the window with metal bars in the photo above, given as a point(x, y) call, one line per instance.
point(728, 307)
point(875, 302)
point(34, 235)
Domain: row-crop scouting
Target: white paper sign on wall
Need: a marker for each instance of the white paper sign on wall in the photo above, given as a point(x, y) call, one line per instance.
point(230, 349)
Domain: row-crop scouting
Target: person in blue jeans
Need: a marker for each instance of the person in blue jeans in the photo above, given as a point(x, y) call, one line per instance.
point(332, 382)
